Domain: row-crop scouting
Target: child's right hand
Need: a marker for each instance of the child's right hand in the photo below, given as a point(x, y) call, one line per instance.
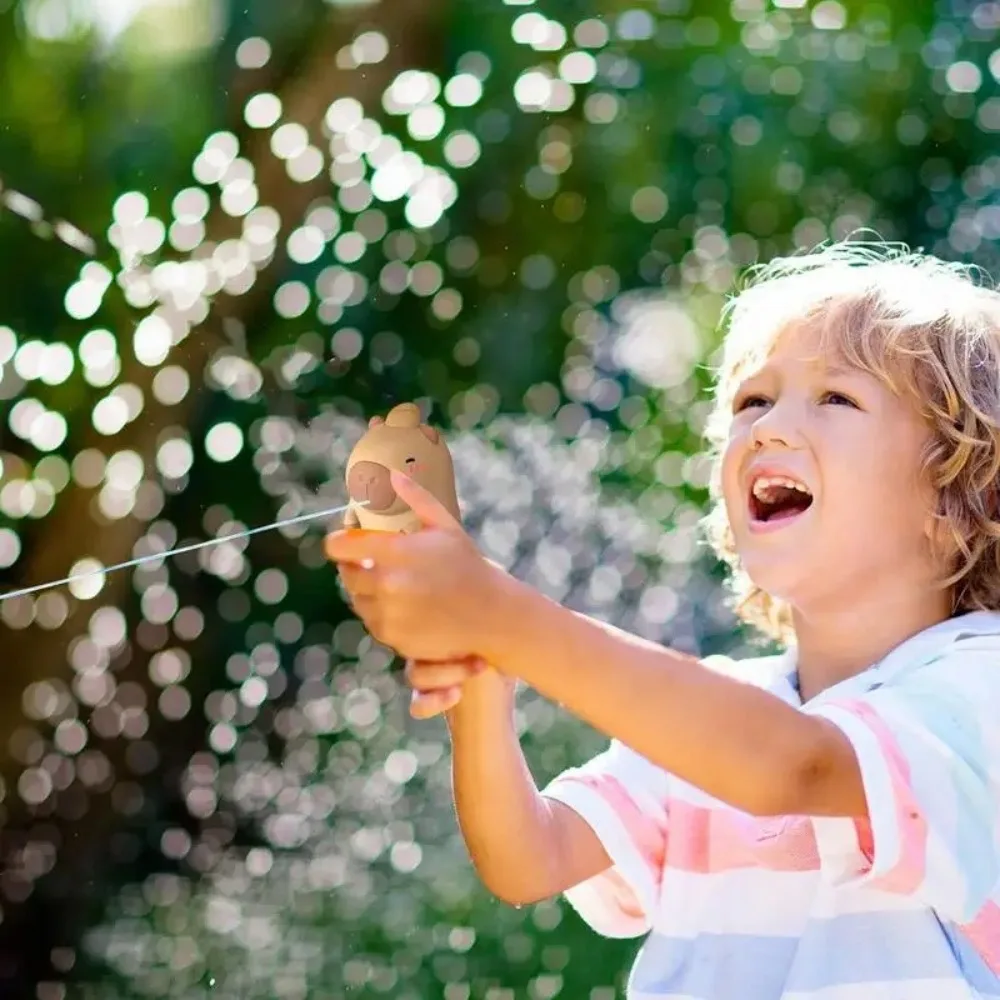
point(438, 687)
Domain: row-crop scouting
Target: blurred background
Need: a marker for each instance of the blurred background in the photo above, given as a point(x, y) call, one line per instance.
point(231, 232)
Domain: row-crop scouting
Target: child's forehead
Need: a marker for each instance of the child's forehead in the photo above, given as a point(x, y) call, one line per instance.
point(821, 348)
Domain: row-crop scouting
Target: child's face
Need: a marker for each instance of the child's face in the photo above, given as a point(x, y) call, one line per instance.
point(853, 510)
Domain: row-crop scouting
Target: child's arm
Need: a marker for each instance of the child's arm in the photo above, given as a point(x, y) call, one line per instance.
point(434, 597)
point(524, 846)
point(735, 741)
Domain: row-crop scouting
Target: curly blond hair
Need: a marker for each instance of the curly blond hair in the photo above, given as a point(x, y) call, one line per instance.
point(930, 331)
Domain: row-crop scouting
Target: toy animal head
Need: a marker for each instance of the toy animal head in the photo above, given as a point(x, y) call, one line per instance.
point(399, 441)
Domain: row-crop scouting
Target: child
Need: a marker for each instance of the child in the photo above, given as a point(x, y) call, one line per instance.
point(824, 823)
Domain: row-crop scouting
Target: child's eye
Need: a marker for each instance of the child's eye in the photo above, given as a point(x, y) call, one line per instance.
point(838, 399)
point(745, 402)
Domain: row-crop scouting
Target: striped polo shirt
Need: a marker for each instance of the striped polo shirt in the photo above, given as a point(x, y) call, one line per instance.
point(902, 906)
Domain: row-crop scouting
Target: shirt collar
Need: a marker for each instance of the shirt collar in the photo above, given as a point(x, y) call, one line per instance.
point(908, 654)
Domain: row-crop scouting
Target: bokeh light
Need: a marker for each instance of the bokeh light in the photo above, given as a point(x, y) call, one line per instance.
point(533, 237)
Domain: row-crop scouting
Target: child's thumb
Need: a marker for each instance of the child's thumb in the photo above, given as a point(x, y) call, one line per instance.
point(427, 704)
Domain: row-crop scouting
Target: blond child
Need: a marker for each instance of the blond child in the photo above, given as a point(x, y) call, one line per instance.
point(822, 824)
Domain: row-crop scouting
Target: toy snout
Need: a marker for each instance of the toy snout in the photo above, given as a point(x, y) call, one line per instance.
point(370, 481)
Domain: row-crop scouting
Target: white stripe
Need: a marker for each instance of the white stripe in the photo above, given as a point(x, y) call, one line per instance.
point(879, 794)
point(692, 903)
point(845, 900)
point(907, 989)
point(841, 858)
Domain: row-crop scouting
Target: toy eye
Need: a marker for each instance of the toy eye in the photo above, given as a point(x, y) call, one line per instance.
point(410, 460)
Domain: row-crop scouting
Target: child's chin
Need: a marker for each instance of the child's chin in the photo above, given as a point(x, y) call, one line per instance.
point(777, 578)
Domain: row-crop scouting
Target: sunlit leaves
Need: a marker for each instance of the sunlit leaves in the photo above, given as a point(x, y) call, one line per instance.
point(547, 223)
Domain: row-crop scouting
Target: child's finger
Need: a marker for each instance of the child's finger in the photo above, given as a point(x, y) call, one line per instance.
point(423, 675)
point(357, 582)
point(427, 704)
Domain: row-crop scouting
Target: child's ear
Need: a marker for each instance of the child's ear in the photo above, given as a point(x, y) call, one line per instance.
point(934, 525)
point(940, 535)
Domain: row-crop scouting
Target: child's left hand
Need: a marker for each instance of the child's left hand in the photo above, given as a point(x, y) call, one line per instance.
point(439, 687)
point(429, 595)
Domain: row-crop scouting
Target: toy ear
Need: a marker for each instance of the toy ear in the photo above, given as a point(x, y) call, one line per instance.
point(404, 415)
point(376, 421)
point(430, 433)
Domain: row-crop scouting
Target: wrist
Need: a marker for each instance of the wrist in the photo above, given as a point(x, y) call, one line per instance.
point(516, 618)
point(488, 696)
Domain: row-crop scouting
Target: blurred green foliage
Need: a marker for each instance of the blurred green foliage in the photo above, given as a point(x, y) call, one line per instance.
point(286, 217)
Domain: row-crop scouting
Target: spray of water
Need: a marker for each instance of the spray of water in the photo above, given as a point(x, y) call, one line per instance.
point(102, 571)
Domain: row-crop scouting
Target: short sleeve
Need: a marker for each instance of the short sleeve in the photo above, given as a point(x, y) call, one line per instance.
point(928, 746)
point(624, 799)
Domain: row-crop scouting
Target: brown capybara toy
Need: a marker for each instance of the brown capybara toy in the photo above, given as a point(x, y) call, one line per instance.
point(403, 442)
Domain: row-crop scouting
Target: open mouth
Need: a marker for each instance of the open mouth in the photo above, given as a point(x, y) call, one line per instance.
point(778, 498)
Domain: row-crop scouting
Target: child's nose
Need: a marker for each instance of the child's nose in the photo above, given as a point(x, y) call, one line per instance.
point(780, 425)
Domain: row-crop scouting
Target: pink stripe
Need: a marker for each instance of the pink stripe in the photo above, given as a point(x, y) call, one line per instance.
point(984, 935)
point(712, 840)
point(647, 833)
point(907, 874)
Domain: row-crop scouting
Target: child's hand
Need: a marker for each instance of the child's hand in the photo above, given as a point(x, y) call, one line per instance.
point(429, 595)
point(461, 686)
point(437, 687)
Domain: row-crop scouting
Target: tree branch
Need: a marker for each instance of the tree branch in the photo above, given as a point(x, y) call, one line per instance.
point(30, 654)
